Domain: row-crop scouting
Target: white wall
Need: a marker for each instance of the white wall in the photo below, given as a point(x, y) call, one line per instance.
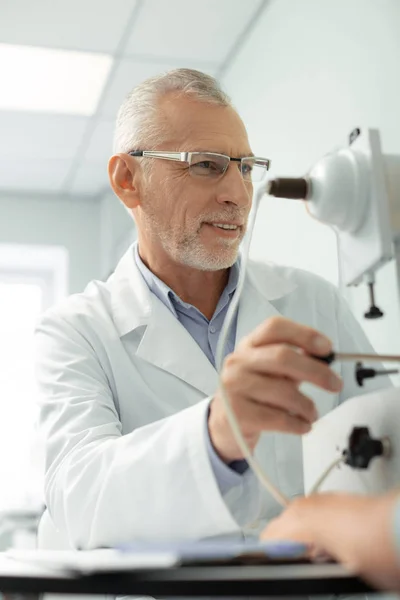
point(74, 224)
point(310, 72)
point(94, 233)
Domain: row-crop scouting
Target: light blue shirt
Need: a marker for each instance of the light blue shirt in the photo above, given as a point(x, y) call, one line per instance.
point(206, 334)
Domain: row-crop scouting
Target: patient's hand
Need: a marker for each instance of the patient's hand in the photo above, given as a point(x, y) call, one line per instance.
point(294, 524)
point(355, 530)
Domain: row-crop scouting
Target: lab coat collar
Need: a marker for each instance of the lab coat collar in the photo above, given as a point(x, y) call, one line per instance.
point(165, 342)
point(262, 286)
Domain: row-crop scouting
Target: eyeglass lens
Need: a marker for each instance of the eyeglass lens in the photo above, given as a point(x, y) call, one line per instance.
point(213, 166)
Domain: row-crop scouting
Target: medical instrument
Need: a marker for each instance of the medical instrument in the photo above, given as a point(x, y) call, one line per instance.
point(330, 358)
point(361, 372)
point(353, 189)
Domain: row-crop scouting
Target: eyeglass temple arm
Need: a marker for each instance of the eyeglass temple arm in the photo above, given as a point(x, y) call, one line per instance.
point(177, 156)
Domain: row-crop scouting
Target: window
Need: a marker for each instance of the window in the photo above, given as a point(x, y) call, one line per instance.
point(27, 287)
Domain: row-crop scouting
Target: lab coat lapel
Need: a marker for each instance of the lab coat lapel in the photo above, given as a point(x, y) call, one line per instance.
point(165, 342)
point(168, 345)
point(262, 285)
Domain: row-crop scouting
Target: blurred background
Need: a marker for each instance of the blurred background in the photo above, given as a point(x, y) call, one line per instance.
point(302, 74)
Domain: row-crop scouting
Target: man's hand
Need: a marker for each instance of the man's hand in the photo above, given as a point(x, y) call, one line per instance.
point(262, 378)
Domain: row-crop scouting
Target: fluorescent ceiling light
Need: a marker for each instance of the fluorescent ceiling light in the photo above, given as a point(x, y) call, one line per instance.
point(48, 80)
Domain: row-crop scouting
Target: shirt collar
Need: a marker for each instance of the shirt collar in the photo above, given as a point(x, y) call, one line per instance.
point(154, 283)
point(170, 298)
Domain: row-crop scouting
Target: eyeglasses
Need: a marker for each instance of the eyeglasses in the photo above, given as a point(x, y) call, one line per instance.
point(211, 165)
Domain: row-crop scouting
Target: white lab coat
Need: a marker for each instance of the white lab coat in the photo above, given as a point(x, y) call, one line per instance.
point(124, 394)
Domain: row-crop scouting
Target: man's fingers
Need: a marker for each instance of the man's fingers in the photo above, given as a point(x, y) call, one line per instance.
point(276, 393)
point(278, 330)
point(267, 418)
point(262, 377)
point(283, 361)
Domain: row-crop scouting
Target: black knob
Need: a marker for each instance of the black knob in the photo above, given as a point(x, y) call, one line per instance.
point(374, 312)
point(362, 448)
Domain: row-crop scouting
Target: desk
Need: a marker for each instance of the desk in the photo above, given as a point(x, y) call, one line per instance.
point(226, 581)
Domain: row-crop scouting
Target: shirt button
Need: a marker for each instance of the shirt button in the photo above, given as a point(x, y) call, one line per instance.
point(212, 329)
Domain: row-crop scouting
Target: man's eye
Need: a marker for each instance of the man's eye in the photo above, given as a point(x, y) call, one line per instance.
point(247, 169)
point(207, 164)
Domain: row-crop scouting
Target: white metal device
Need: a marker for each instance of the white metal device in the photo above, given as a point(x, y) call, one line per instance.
point(355, 190)
point(349, 191)
point(380, 412)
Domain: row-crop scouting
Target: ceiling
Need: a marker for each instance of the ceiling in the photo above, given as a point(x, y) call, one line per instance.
point(61, 154)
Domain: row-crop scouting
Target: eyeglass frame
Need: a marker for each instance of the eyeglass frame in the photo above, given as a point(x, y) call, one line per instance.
point(186, 157)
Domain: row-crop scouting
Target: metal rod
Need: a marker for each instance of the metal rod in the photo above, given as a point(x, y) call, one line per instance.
point(371, 293)
point(369, 357)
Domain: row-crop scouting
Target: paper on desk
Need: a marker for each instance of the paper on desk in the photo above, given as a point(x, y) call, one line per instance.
point(218, 549)
point(87, 562)
point(156, 555)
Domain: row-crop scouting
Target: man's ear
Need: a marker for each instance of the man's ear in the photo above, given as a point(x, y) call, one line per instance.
point(123, 171)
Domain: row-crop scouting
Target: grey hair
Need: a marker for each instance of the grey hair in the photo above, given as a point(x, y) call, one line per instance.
point(136, 125)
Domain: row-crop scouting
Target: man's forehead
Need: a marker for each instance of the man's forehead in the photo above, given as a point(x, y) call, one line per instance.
point(202, 126)
point(208, 148)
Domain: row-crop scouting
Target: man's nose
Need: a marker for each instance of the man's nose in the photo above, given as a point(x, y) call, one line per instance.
point(233, 189)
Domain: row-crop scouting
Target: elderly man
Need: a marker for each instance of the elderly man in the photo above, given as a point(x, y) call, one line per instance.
point(138, 445)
